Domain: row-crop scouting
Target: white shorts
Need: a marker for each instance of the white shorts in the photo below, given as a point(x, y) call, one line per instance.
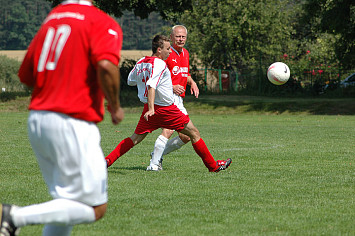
point(70, 157)
point(179, 102)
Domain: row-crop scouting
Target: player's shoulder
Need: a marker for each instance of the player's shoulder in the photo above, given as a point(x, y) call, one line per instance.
point(159, 63)
point(155, 61)
point(186, 52)
point(102, 16)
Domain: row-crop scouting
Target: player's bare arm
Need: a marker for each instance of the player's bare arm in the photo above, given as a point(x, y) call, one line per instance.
point(151, 98)
point(193, 86)
point(109, 79)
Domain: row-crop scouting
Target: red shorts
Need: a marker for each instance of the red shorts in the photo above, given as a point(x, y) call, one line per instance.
point(169, 117)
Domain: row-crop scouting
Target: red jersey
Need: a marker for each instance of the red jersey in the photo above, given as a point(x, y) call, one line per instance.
point(179, 66)
point(61, 60)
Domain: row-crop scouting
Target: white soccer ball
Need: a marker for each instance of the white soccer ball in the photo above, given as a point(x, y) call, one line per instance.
point(278, 73)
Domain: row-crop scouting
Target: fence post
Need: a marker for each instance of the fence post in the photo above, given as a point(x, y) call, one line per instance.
point(205, 78)
point(260, 74)
point(220, 80)
point(236, 81)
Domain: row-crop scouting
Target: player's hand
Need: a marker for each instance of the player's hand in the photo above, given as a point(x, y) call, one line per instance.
point(194, 89)
point(148, 114)
point(178, 89)
point(117, 115)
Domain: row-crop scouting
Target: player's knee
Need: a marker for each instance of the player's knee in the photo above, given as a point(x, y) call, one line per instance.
point(137, 138)
point(167, 133)
point(100, 211)
point(184, 138)
point(193, 132)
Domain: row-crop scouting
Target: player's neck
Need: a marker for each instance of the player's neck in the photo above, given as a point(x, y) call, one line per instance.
point(157, 55)
point(178, 49)
point(83, 2)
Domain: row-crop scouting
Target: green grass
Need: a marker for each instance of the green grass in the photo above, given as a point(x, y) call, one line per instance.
point(292, 174)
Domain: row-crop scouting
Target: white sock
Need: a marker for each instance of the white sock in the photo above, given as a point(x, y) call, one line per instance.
point(58, 212)
point(159, 147)
point(173, 144)
point(57, 230)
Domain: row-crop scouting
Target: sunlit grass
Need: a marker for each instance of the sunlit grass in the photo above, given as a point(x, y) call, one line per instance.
point(291, 174)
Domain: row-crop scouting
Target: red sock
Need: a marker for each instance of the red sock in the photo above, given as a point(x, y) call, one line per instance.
point(202, 150)
point(124, 146)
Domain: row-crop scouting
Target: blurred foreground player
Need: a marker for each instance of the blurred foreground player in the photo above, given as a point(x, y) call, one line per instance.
point(71, 64)
point(152, 77)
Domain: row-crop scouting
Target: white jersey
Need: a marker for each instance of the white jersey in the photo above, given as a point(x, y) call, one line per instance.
point(153, 72)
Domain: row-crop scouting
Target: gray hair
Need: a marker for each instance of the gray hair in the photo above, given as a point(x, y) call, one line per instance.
point(177, 26)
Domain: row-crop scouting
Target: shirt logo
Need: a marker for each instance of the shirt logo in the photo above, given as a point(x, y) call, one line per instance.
point(112, 32)
point(174, 60)
point(175, 70)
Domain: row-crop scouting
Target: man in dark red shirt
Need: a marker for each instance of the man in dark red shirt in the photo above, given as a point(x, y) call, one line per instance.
point(71, 64)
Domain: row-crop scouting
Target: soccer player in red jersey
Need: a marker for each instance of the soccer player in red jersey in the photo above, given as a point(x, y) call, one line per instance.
point(179, 66)
point(71, 64)
point(155, 90)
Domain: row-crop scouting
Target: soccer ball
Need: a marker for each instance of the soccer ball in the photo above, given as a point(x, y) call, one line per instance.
point(278, 73)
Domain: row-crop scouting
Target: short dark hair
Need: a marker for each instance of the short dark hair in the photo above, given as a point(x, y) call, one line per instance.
point(158, 42)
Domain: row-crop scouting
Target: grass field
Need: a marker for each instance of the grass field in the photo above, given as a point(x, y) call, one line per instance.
point(292, 173)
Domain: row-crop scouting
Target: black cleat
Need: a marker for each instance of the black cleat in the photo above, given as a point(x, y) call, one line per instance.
point(7, 227)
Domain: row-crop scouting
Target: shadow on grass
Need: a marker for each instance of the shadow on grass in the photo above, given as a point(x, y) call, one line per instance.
point(115, 169)
point(246, 104)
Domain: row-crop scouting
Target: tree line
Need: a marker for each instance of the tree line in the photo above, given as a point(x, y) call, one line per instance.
point(315, 38)
point(20, 20)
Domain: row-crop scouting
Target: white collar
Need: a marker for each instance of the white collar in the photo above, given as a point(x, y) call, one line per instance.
point(80, 2)
point(177, 52)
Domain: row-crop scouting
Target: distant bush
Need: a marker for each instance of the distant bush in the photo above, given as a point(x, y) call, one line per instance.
point(8, 75)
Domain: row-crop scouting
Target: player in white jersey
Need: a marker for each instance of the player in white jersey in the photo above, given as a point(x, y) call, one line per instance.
point(151, 71)
point(155, 90)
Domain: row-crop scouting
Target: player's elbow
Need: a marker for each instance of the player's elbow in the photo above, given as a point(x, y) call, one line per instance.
point(131, 83)
point(106, 66)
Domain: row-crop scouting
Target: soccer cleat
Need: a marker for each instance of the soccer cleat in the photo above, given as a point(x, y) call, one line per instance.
point(223, 164)
point(7, 227)
point(153, 167)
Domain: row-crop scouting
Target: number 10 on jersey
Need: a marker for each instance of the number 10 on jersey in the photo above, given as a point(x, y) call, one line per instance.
point(52, 47)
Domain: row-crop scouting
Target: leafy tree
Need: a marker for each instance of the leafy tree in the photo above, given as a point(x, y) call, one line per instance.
point(238, 34)
point(20, 21)
point(138, 33)
point(336, 17)
point(167, 9)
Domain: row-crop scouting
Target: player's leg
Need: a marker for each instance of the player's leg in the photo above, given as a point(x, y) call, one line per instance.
point(123, 147)
point(142, 129)
point(56, 212)
point(57, 230)
point(173, 144)
point(176, 143)
point(202, 150)
point(159, 147)
point(73, 167)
